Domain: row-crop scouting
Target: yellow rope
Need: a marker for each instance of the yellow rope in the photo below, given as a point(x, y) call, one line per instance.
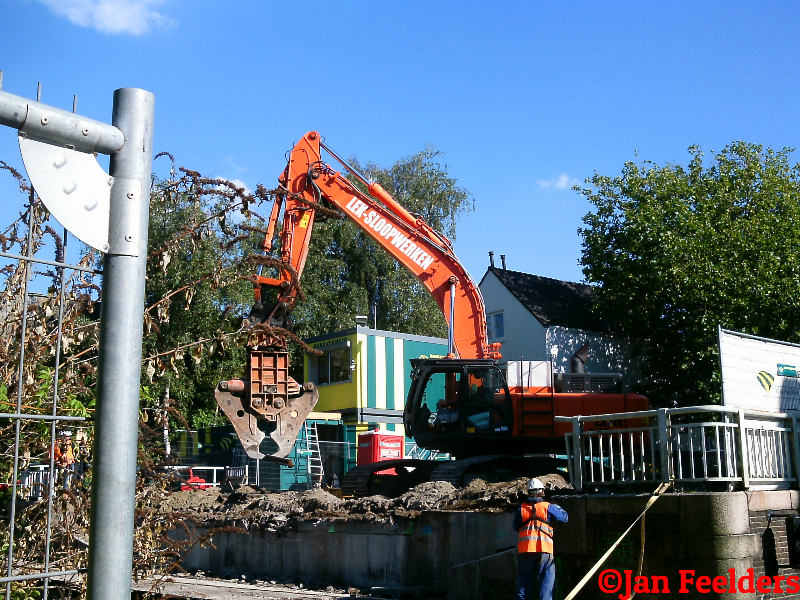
point(656, 495)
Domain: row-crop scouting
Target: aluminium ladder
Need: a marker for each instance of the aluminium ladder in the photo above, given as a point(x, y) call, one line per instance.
point(316, 472)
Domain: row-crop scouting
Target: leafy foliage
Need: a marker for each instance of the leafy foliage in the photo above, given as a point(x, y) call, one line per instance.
point(203, 240)
point(678, 251)
point(196, 293)
point(58, 330)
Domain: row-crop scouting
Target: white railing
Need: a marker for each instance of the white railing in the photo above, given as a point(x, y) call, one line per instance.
point(418, 452)
point(691, 446)
point(34, 481)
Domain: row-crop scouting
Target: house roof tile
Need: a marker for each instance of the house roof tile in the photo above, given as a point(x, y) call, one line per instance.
point(552, 301)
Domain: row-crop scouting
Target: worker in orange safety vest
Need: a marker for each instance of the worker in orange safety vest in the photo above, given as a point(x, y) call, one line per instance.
point(536, 571)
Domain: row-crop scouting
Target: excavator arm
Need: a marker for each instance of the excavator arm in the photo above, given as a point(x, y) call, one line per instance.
point(426, 253)
point(269, 393)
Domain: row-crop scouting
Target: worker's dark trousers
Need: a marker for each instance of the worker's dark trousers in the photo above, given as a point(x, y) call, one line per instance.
point(536, 576)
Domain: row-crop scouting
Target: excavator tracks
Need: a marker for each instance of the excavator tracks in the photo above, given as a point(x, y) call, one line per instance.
point(364, 480)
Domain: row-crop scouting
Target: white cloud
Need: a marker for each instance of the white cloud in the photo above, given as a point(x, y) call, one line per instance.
point(236, 182)
point(562, 182)
point(111, 16)
point(229, 160)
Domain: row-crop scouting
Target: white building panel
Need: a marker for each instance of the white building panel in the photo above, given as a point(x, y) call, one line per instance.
point(380, 372)
point(399, 375)
point(759, 373)
point(529, 373)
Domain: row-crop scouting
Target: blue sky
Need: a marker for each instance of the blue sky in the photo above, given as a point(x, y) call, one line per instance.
point(524, 98)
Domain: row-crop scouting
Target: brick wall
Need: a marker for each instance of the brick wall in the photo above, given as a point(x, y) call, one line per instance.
point(772, 555)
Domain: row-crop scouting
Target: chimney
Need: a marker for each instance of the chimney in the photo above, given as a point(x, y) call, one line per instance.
point(491, 259)
point(577, 364)
point(503, 261)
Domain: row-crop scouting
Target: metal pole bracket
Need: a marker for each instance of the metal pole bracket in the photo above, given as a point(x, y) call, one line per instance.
point(73, 187)
point(126, 227)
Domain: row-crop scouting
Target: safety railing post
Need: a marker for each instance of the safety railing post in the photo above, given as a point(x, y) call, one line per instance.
point(741, 448)
point(577, 454)
point(664, 444)
point(120, 352)
point(795, 452)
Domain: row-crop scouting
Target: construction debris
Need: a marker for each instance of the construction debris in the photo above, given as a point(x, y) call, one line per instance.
point(253, 508)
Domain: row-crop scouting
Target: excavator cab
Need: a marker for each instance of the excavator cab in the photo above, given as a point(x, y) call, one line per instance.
point(466, 401)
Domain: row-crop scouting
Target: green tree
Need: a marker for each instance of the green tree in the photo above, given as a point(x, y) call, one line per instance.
point(196, 293)
point(348, 274)
point(678, 251)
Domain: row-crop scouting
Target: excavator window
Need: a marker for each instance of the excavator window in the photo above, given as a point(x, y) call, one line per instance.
point(486, 401)
point(466, 400)
point(440, 399)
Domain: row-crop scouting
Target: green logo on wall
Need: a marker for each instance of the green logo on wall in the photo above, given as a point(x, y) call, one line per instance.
point(766, 380)
point(787, 371)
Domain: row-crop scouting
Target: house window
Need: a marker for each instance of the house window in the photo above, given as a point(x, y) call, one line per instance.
point(495, 328)
point(334, 366)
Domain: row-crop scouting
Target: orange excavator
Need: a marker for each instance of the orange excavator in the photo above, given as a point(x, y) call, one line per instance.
point(462, 404)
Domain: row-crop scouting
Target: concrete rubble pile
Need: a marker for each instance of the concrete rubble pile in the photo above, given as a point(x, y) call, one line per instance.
point(252, 508)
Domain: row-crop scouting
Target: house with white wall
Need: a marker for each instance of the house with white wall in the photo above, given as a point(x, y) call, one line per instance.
point(539, 318)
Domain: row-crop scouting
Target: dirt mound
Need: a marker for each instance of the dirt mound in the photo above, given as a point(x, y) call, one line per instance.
point(504, 495)
point(427, 496)
point(555, 481)
point(370, 505)
point(294, 503)
point(193, 501)
point(279, 512)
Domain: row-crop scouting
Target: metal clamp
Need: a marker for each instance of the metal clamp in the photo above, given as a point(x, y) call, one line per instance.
point(126, 228)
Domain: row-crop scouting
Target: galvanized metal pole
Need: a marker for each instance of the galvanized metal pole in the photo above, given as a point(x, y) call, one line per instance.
point(120, 354)
point(577, 452)
point(664, 451)
point(741, 448)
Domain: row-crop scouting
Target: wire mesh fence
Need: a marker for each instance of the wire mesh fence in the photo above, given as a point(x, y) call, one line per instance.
point(214, 467)
point(44, 417)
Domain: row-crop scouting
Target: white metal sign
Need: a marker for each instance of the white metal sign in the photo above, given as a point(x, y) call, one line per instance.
point(759, 373)
point(529, 373)
point(73, 187)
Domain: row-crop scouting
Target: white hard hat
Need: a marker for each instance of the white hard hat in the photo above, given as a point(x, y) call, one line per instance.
point(535, 485)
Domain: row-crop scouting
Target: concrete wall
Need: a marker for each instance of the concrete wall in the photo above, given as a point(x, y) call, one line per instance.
point(463, 553)
point(706, 532)
point(416, 553)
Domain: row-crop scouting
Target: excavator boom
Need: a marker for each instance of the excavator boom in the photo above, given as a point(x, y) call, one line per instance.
point(462, 404)
point(269, 393)
point(426, 253)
